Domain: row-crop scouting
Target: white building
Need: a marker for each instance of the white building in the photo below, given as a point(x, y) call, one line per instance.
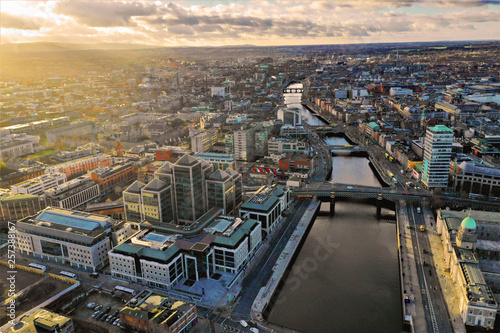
point(161, 260)
point(18, 145)
point(73, 194)
point(76, 238)
point(437, 155)
point(398, 91)
point(39, 184)
point(280, 146)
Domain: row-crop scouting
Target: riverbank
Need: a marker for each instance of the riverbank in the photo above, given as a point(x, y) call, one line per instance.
point(266, 293)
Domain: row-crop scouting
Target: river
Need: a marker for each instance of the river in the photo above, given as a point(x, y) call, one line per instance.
point(345, 278)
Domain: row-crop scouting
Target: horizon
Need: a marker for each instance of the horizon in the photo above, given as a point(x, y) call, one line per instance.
point(256, 23)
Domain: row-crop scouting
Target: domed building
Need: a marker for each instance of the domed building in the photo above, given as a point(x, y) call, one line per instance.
point(467, 234)
point(467, 241)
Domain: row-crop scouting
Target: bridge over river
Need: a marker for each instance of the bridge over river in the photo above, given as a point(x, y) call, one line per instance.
point(336, 190)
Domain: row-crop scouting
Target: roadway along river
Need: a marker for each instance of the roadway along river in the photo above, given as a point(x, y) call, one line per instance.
point(345, 278)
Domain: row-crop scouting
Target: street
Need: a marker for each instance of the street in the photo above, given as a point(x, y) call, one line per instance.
point(436, 314)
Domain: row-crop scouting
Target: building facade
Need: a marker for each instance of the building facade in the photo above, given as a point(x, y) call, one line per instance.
point(81, 240)
point(39, 184)
point(74, 194)
point(437, 156)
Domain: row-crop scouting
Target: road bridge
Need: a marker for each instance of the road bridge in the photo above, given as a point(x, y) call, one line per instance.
point(325, 190)
point(347, 148)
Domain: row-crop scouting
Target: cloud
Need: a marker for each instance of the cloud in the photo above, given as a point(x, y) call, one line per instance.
point(23, 23)
point(106, 14)
point(256, 22)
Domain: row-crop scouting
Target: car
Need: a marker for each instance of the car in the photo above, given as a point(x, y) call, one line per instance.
point(106, 310)
point(94, 275)
point(115, 314)
point(243, 323)
point(91, 305)
point(254, 330)
point(98, 317)
point(95, 314)
point(98, 307)
point(117, 322)
point(418, 210)
point(104, 317)
point(110, 319)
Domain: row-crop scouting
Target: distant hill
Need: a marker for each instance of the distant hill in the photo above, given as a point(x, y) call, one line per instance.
point(57, 47)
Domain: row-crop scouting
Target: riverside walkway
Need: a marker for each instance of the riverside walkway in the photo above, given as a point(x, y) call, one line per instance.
point(266, 293)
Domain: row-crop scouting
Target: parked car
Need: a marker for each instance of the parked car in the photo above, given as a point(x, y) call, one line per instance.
point(106, 310)
point(98, 307)
point(91, 305)
point(99, 316)
point(243, 323)
point(116, 313)
point(95, 314)
point(254, 330)
point(94, 275)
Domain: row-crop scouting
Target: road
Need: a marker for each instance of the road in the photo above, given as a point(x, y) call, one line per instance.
point(436, 313)
point(262, 273)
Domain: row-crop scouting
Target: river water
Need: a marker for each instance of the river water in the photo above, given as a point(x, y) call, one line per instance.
point(345, 278)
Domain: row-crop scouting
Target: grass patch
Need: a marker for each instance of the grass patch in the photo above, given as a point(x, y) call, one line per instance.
point(41, 153)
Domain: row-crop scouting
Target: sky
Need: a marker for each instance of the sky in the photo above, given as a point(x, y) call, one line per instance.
point(263, 23)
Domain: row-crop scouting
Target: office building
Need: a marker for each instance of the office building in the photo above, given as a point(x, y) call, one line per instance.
point(219, 161)
point(290, 116)
point(278, 146)
point(18, 206)
point(476, 180)
point(80, 166)
point(75, 238)
point(114, 179)
point(220, 191)
point(267, 206)
point(203, 141)
point(241, 143)
point(151, 202)
point(437, 156)
point(74, 194)
point(223, 244)
point(39, 184)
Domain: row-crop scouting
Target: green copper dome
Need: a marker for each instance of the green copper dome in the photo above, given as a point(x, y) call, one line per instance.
point(469, 223)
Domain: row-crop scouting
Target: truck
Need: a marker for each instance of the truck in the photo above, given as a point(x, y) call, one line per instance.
point(422, 228)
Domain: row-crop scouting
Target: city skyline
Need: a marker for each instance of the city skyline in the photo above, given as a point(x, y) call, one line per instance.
point(262, 23)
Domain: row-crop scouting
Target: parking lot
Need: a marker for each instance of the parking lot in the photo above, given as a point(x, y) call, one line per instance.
point(82, 315)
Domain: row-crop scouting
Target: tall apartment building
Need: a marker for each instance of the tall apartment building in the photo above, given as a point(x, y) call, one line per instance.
point(241, 143)
point(437, 156)
point(39, 184)
point(261, 147)
point(73, 194)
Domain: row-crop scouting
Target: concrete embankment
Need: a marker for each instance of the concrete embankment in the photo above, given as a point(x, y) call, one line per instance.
point(266, 293)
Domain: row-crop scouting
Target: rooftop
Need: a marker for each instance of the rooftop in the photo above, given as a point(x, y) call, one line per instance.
point(45, 321)
point(440, 128)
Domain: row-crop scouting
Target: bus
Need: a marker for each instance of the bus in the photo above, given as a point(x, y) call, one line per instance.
point(125, 290)
point(37, 266)
point(68, 275)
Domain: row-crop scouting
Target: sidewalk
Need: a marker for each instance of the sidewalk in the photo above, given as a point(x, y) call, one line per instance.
point(447, 286)
point(410, 279)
